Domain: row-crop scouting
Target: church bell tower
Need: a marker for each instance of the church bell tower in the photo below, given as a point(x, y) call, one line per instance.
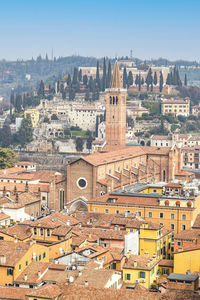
point(116, 112)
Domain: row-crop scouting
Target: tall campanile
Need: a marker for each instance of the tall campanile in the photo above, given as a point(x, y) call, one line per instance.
point(115, 112)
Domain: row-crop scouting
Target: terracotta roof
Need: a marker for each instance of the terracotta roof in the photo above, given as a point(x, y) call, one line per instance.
point(13, 293)
point(3, 216)
point(20, 232)
point(125, 199)
point(190, 234)
point(11, 170)
point(173, 185)
point(129, 152)
point(62, 230)
point(116, 253)
point(161, 137)
point(188, 247)
point(24, 199)
point(91, 275)
point(46, 222)
point(77, 240)
point(109, 234)
point(174, 101)
point(47, 291)
point(142, 262)
point(21, 187)
point(33, 277)
point(25, 163)
point(65, 218)
point(166, 262)
point(58, 276)
point(197, 222)
point(13, 251)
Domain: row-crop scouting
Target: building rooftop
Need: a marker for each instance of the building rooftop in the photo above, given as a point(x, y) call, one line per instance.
point(182, 277)
point(138, 262)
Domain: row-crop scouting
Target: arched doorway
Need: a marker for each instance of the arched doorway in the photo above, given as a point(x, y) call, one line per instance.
point(80, 205)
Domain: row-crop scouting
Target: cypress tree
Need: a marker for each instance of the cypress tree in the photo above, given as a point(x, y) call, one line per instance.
point(161, 82)
point(142, 81)
point(80, 75)
point(75, 76)
point(149, 79)
point(139, 83)
point(130, 78)
point(185, 80)
point(168, 80)
point(69, 81)
point(155, 80)
point(124, 78)
point(108, 81)
point(104, 75)
point(137, 80)
point(98, 82)
point(87, 95)
point(85, 80)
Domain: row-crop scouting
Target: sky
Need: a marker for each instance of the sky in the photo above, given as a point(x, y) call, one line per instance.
point(150, 28)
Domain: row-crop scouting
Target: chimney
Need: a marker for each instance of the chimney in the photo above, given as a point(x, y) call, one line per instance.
point(86, 283)
point(26, 187)
point(25, 277)
point(79, 273)
point(68, 223)
point(39, 190)
point(146, 254)
point(15, 238)
point(148, 263)
point(39, 273)
point(15, 190)
point(17, 197)
point(4, 191)
point(135, 264)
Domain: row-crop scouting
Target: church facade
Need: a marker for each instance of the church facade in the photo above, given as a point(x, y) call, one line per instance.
point(118, 165)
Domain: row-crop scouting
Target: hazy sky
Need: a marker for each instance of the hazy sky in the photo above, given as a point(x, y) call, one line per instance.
point(151, 28)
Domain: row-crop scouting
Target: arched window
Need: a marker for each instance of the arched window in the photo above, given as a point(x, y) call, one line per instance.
point(113, 100)
point(110, 100)
point(116, 100)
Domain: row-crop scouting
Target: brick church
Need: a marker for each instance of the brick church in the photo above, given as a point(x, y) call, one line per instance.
point(118, 165)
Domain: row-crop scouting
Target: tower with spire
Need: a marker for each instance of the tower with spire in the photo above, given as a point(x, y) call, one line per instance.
point(115, 112)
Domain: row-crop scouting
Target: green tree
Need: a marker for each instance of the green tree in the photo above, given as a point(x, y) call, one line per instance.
point(8, 158)
point(185, 80)
point(98, 81)
point(5, 135)
point(149, 79)
point(46, 120)
point(130, 78)
point(139, 83)
point(25, 134)
point(75, 76)
point(72, 94)
point(124, 78)
point(79, 144)
point(108, 80)
point(85, 80)
point(137, 80)
point(18, 103)
point(104, 75)
point(87, 95)
point(161, 82)
point(89, 142)
point(41, 89)
point(155, 80)
point(69, 80)
point(91, 84)
point(80, 75)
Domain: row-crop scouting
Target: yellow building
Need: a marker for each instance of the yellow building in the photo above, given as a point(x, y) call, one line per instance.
point(187, 259)
point(16, 256)
point(34, 116)
point(179, 107)
point(140, 269)
point(172, 211)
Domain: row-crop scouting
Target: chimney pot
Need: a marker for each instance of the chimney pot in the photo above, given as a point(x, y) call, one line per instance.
point(86, 283)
